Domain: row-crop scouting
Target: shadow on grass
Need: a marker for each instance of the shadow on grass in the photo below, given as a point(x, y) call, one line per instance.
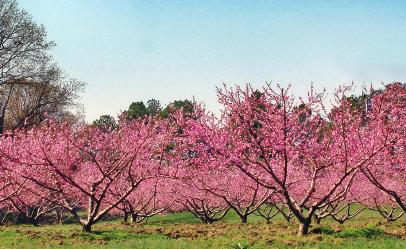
point(365, 232)
point(113, 236)
point(179, 218)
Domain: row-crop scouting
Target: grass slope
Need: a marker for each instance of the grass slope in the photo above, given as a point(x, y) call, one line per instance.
point(182, 230)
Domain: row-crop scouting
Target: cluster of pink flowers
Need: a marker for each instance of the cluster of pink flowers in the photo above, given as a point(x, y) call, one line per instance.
point(268, 153)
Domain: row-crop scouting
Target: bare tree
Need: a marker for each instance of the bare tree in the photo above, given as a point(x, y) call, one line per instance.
point(31, 84)
point(29, 103)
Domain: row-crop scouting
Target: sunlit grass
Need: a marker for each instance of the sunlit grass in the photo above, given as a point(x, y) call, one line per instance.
point(182, 230)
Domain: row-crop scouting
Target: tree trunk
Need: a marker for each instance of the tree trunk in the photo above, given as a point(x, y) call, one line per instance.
point(126, 217)
point(134, 218)
point(1, 125)
point(33, 221)
point(3, 217)
point(304, 228)
point(26, 219)
point(318, 220)
point(244, 219)
point(206, 220)
point(87, 227)
point(59, 216)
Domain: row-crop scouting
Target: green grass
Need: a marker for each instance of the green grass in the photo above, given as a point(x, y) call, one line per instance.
point(182, 230)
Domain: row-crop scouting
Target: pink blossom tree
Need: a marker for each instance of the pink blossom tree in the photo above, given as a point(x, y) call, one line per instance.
point(32, 203)
point(387, 172)
point(379, 201)
point(243, 195)
point(152, 197)
point(8, 190)
point(81, 166)
point(190, 196)
point(290, 146)
point(213, 175)
point(272, 207)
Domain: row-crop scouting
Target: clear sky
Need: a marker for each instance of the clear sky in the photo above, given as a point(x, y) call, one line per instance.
point(135, 50)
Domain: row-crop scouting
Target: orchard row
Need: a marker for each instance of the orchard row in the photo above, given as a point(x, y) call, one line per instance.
point(268, 153)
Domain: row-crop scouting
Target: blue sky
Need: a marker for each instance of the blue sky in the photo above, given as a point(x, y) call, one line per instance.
point(135, 50)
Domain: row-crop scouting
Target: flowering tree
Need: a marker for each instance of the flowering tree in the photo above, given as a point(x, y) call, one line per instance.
point(20, 197)
point(387, 172)
point(213, 175)
point(7, 186)
point(149, 199)
point(291, 147)
point(201, 203)
point(81, 166)
point(272, 207)
point(32, 203)
point(190, 190)
point(268, 153)
point(340, 211)
point(242, 194)
point(8, 190)
point(378, 200)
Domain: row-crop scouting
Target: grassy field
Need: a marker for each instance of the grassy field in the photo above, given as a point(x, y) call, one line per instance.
point(182, 230)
